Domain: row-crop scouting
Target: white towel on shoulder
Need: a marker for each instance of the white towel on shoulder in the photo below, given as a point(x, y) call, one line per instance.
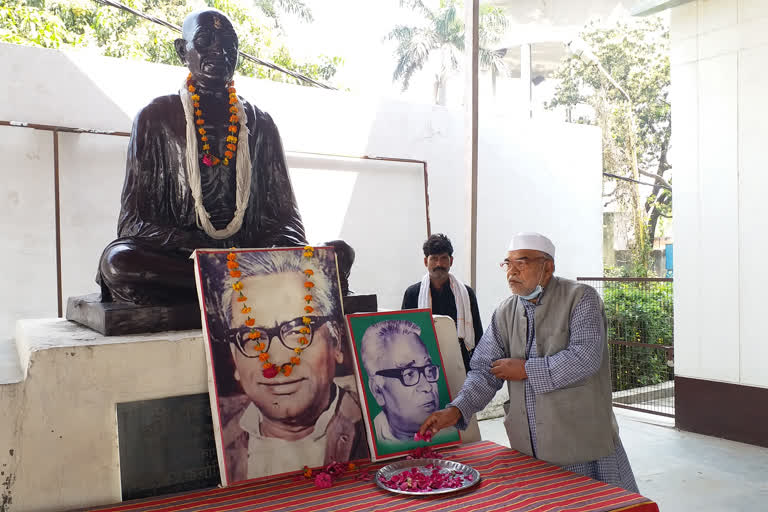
point(464, 326)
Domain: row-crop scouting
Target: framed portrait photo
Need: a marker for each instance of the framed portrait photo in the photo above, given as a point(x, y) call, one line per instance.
point(401, 378)
point(280, 366)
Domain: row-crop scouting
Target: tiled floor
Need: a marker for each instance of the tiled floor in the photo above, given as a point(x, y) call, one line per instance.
point(682, 471)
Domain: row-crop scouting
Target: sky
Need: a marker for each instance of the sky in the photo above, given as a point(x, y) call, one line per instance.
point(356, 30)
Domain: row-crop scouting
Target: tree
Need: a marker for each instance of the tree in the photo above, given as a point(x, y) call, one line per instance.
point(636, 55)
point(440, 43)
point(115, 33)
point(272, 9)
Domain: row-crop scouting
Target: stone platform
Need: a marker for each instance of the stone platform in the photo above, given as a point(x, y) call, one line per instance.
point(117, 319)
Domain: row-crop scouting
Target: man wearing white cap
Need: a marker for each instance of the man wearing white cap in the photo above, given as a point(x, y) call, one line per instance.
point(548, 343)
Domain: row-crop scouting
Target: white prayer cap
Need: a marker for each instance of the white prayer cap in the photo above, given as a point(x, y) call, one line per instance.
point(532, 241)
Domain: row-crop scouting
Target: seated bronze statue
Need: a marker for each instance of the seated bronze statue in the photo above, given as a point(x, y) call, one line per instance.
point(205, 169)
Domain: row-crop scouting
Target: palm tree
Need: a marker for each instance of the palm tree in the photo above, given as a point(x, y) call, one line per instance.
point(273, 9)
point(440, 43)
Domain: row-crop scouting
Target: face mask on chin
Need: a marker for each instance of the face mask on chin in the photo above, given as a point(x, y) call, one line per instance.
point(536, 291)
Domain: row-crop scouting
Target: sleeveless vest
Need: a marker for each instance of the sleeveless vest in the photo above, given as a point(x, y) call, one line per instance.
point(574, 424)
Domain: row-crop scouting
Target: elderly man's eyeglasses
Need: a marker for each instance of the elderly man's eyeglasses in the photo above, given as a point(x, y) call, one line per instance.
point(411, 375)
point(520, 264)
point(290, 333)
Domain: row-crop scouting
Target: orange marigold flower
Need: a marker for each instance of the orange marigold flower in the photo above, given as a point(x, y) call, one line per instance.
point(309, 309)
point(304, 330)
point(287, 369)
point(266, 366)
point(309, 272)
point(250, 322)
point(237, 286)
point(232, 256)
point(263, 357)
point(309, 284)
point(303, 340)
point(201, 131)
point(235, 273)
point(254, 335)
point(232, 264)
point(261, 346)
point(229, 154)
point(308, 254)
point(206, 147)
point(233, 118)
point(231, 138)
point(204, 138)
point(308, 298)
point(196, 104)
point(191, 88)
point(233, 109)
point(242, 298)
point(245, 310)
point(231, 90)
point(306, 320)
point(195, 97)
point(233, 129)
point(232, 100)
point(307, 472)
point(198, 112)
point(231, 147)
point(297, 350)
point(309, 248)
point(295, 360)
point(199, 122)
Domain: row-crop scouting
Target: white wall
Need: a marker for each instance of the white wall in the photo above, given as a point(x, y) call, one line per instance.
point(540, 177)
point(548, 169)
point(719, 106)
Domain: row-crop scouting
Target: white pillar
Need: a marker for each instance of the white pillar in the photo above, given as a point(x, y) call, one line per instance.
point(471, 43)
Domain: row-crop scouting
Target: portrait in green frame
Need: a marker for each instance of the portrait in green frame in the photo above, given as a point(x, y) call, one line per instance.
point(401, 379)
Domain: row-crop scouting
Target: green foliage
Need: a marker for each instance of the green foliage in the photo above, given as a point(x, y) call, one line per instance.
point(636, 54)
point(439, 41)
point(86, 23)
point(640, 312)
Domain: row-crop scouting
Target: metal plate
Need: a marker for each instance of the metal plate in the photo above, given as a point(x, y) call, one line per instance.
point(395, 468)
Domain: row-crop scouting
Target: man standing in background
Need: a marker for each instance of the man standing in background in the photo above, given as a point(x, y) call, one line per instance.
point(446, 295)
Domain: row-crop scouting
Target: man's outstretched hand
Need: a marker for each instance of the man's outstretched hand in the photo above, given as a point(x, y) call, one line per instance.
point(441, 419)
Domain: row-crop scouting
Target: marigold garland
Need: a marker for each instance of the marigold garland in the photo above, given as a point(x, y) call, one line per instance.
point(209, 158)
point(269, 369)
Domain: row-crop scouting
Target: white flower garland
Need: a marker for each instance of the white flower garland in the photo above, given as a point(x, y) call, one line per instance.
point(242, 178)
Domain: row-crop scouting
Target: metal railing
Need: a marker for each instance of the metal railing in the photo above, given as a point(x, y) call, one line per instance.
point(640, 319)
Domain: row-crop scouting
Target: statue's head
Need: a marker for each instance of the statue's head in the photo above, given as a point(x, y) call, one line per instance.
point(208, 47)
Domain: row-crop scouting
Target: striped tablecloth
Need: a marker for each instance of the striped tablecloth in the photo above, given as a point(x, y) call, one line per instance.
point(510, 482)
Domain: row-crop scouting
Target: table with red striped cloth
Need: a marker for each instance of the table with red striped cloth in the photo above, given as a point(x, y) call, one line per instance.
point(510, 481)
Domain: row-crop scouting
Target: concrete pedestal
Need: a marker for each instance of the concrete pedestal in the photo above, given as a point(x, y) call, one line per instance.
point(59, 395)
